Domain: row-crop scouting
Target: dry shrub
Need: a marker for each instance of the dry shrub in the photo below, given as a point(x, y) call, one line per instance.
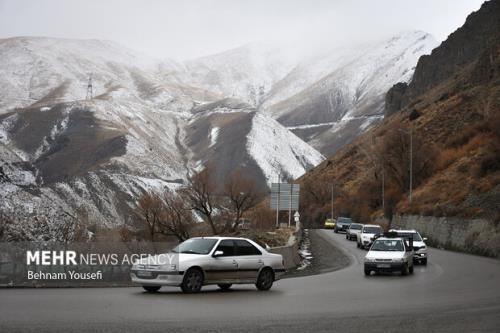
point(262, 217)
point(448, 157)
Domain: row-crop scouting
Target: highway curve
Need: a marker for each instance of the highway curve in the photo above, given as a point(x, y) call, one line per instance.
point(455, 292)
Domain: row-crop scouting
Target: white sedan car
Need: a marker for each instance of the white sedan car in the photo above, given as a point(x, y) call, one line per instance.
point(223, 261)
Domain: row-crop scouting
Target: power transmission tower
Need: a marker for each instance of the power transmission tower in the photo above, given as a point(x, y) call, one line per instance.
point(89, 88)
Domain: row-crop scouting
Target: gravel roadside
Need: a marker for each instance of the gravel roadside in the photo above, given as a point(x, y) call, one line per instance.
point(325, 256)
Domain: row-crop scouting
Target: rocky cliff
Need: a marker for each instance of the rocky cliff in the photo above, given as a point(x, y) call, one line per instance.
point(473, 45)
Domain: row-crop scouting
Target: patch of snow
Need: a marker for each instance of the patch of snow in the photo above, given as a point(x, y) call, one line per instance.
point(214, 133)
point(278, 151)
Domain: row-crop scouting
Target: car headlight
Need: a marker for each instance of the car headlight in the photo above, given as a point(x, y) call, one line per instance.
point(369, 260)
point(398, 259)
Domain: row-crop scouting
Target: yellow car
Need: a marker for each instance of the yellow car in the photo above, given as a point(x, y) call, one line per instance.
point(329, 224)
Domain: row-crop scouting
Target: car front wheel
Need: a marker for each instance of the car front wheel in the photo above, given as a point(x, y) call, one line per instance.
point(265, 279)
point(151, 289)
point(405, 270)
point(193, 281)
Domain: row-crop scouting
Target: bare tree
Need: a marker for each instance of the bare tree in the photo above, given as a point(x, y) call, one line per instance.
point(150, 209)
point(166, 215)
point(200, 196)
point(177, 218)
point(242, 195)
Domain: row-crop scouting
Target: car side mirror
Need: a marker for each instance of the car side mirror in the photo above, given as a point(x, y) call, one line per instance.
point(425, 239)
point(218, 254)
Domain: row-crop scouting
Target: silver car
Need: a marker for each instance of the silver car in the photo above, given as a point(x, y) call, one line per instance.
point(353, 231)
point(223, 261)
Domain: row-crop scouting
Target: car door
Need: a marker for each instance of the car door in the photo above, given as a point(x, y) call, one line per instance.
point(249, 260)
point(224, 268)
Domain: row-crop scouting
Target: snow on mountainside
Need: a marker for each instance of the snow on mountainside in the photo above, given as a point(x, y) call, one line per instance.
point(151, 121)
point(278, 151)
point(143, 130)
point(229, 135)
point(344, 102)
point(247, 72)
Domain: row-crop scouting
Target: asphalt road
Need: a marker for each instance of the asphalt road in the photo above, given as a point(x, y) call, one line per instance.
point(455, 292)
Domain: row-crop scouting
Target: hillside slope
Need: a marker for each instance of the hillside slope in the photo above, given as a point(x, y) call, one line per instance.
point(452, 108)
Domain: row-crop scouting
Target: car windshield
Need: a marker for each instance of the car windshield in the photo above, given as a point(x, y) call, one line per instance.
point(415, 235)
point(195, 246)
point(356, 226)
point(372, 230)
point(387, 245)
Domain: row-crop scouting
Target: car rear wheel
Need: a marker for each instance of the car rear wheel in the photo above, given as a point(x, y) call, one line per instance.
point(151, 289)
point(224, 286)
point(265, 279)
point(193, 281)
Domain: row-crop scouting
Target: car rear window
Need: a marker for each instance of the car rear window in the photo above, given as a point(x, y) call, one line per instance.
point(387, 245)
point(244, 248)
point(345, 220)
point(372, 230)
point(416, 237)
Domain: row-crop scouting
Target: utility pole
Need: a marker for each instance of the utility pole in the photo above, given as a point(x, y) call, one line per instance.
point(290, 207)
point(278, 201)
point(89, 88)
point(411, 159)
point(332, 205)
point(383, 187)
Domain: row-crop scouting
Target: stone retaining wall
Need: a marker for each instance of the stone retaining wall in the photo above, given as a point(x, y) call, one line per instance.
point(477, 236)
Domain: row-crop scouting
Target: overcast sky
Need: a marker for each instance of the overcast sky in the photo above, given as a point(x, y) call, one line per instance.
point(189, 28)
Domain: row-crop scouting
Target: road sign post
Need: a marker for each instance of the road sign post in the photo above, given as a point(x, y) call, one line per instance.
point(285, 196)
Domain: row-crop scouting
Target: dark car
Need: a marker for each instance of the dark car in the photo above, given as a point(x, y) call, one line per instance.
point(343, 223)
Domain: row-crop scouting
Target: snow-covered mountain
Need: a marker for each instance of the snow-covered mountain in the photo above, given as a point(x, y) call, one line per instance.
point(151, 121)
point(247, 73)
point(330, 100)
point(326, 97)
point(144, 128)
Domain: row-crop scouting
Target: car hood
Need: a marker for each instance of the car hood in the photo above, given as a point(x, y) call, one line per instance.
point(168, 259)
point(385, 255)
point(365, 235)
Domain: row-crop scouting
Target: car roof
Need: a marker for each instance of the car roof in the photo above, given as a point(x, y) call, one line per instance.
point(407, 230)
point(219, 237)
point(372, 225)
point(389, 238)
